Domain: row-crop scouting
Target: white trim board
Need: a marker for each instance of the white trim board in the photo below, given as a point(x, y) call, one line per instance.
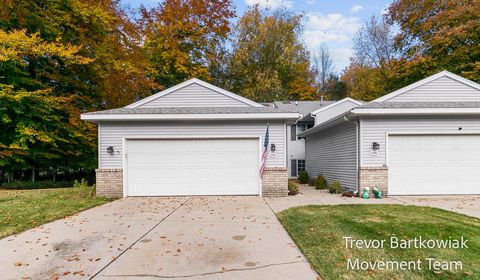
point(198, 82)
point(428, 80)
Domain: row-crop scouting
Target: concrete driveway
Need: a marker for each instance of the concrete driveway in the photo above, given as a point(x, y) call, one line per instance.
point(463, 204)
point(155, 238)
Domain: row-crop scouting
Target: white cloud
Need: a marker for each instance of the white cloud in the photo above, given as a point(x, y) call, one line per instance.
point(270, 3)
point(336, 31)
point(310, 2)
point(356, 8)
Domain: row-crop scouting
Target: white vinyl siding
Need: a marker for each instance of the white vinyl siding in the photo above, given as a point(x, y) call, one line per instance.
point(332, 153)
point(375, 129)
point(434, 164)
point(443, 89)
point(194, 95)
point(112, 134)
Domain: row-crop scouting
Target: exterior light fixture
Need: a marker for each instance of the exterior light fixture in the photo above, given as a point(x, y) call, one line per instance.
point(375, 146)
point(272, 147)
point(110, 150)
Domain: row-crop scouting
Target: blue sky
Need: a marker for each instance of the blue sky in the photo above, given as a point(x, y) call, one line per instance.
point(333, 22)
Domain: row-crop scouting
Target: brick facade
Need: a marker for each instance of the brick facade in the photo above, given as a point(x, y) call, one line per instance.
point(109, 182)
point(275, 182)
point(374, 177)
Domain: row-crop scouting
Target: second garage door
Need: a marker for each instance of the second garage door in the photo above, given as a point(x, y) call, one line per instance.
point(192, 167)
point(433, 164)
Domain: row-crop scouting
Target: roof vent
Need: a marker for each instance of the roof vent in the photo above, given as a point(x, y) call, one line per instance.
point(296, 103)
point(321, 99)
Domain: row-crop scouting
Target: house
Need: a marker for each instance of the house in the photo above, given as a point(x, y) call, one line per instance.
point(295, 144)
point(423, 139)
point(191, 139)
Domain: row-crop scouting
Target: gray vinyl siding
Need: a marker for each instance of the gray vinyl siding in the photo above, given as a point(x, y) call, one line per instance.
point(439, 90)
point(194, 95)
point(375, 129)
point(112, 134)
point(332, 153)
point(334, 111)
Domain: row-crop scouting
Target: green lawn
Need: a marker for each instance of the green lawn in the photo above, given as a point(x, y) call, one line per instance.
point(319, 232)
point(24, 209)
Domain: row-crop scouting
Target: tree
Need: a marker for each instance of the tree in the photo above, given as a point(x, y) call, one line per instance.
point(118, 73)
point(368, 75)
point(335, 88)
point(373, 43)
point(364, 82)
point(436, 35)
point(323, 66)
point(268, 60)
point(184, 38)
point(36, 126)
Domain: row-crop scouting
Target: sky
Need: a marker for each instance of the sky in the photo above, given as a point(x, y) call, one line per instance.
point(332, 22)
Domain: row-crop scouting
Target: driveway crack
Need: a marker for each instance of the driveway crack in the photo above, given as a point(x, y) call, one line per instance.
point(140, 238)
point(203, 274)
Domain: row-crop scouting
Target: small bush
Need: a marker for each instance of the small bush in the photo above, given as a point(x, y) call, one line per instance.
point(18, 185)
point(311, 182)
point(303, 177)
point(335, 187)
point(292, 189)
point(80, 184)
point(321, 183)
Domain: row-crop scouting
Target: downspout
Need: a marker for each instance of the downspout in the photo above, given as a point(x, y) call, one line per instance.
point(357, 158)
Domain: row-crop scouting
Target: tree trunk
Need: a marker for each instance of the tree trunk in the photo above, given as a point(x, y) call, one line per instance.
point(33, 175)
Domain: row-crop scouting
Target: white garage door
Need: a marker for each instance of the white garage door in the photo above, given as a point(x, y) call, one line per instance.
point(192, 167)
point(433, 164)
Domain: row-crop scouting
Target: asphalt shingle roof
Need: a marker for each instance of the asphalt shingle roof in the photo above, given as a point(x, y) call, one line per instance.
point(190, 110)
point(413, 105)
point(302, 107)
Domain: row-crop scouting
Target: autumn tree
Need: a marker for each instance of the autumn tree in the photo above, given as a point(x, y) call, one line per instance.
point(36, 124)
point(185, 38)
point(268, 60)
point(436, 35)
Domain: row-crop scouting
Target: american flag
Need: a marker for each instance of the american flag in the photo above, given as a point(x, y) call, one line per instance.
point(265, 152)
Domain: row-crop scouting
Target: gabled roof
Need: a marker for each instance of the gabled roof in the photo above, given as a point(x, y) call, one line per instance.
point(198, 82)
point(302, 107)
point(336, 103)
point(426, 81)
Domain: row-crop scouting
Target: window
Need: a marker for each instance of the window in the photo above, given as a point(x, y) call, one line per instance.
point(300, 165)
point(296, 165)
point(293, 168)
point(301, 127)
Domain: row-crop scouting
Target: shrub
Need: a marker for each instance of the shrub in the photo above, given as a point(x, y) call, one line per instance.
point(303, 177)
point(311, 182)
point(18, 185)
point(335, 187)
point(292, 189)
point(80, 184)
point(321, 183)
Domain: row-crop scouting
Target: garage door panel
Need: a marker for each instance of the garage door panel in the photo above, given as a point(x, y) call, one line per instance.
point(193, 167)
point(434, 164)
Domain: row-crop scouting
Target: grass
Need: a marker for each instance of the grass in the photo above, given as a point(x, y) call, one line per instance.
point(24, 209)
point(318, 231)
